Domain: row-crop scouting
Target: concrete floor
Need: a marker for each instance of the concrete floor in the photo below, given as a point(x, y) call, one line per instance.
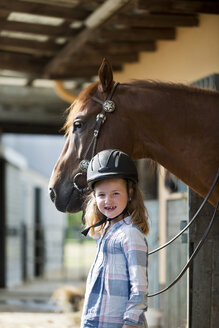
point(30, 306)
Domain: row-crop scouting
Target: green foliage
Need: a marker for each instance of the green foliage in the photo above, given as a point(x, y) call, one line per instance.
point(74, 227)
point(75, 220)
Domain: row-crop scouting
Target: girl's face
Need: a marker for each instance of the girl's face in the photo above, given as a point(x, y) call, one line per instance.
point(111, 196)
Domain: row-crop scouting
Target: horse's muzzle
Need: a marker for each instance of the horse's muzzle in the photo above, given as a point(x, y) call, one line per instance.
point(70, 202)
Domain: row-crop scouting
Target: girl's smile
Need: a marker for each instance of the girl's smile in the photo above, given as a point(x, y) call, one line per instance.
point(111, 196)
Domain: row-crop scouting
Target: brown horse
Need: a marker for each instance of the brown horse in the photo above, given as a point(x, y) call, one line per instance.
point(174, 125)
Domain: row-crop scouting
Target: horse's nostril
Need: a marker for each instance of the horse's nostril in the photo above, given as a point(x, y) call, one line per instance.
point(52, 194)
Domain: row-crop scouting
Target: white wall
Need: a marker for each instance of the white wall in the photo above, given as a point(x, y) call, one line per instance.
point(20, 210)
point(193, 55)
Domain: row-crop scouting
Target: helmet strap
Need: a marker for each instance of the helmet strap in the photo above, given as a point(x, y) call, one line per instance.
point(122, 213)
point(103, 220)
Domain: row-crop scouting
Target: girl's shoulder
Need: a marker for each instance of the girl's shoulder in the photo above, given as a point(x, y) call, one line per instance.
point(129, 226)
point(131, 231)
point(133, 240)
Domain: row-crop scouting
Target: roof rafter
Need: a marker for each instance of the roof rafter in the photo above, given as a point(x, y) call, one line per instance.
point(70, 13)
point(158, 20)
point(52, 31)
point(67, 39)
point(177, 6)
point(92, 22)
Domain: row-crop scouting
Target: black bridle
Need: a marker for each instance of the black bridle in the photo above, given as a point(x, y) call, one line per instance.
point(108, 106)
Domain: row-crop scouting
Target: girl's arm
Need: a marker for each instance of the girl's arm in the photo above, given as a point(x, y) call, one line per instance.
point(136, 253)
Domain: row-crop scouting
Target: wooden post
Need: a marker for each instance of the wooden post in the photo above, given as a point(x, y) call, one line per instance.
point(162, 227)
point(204, 273)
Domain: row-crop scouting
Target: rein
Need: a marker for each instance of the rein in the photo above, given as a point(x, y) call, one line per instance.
point(201, 242)
point(108, 106)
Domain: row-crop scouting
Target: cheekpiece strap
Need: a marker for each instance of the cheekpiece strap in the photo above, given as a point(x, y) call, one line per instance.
point(108, 106)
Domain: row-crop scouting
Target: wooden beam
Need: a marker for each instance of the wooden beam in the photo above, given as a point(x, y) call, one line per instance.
point(4, 14)
point(31, 128)
point(68, 51)
point(203, 297)
point(42, 29)
point(104, 12)
point(43, 100)
point(95, 59)
point(60, 11)
point(157, 20)
point(31, 118)
point(131, 35)
point(129, 7)
point(22, 63)
point(134, 34)
point(36, 115)
point(42, 113)
point(33, 66)
point(121, 47)
point(179, 6)
point(75, 71)
point(89, 33)
point(29, 46)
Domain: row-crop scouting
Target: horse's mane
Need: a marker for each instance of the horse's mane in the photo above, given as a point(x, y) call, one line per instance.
point(153, 84)
point(85, 95)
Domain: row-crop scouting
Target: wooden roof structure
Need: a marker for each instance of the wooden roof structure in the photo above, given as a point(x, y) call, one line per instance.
point(44, 40)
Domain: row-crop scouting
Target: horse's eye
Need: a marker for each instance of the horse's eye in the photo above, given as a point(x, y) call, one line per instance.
point(77, 125)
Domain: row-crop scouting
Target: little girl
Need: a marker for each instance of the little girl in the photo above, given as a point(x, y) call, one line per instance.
point(115, 215)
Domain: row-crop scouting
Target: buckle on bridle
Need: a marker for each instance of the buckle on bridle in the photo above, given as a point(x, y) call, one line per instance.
point(101, 116)
point(84, 165)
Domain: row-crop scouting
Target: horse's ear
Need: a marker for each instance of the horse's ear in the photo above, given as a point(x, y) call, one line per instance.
point(106, 76)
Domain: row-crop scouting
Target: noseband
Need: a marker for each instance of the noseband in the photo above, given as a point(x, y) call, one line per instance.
point(108, 106)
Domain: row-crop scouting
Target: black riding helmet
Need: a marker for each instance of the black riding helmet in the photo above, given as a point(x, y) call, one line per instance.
point(111, 163)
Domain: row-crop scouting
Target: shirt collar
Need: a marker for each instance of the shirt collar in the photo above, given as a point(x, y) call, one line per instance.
point(126, 220)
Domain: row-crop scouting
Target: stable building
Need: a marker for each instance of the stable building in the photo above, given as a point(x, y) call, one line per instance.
point(32, 232)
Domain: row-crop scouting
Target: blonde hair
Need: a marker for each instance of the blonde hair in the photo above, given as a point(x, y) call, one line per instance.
point(136, 209)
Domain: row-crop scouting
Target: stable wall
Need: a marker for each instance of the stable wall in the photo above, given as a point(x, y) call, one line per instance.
point(193, 55)
point(24, 218)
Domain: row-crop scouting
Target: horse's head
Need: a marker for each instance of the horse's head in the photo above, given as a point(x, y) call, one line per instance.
point(68, 179)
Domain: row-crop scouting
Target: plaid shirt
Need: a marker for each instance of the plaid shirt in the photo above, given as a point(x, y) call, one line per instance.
point(117, 284)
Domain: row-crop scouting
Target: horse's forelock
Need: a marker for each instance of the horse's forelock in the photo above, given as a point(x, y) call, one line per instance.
point(78, 105)
point(70, 117)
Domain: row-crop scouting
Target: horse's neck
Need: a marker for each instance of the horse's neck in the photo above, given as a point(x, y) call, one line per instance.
point(170, 118)
point(171, 125)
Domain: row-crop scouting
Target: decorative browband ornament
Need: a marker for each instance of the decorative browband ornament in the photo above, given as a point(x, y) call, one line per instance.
point(109, 106)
